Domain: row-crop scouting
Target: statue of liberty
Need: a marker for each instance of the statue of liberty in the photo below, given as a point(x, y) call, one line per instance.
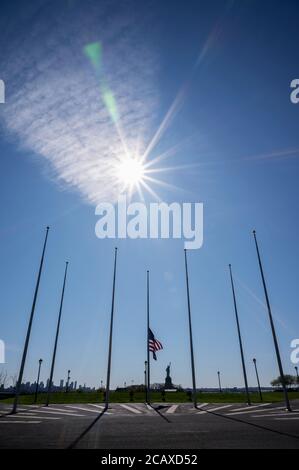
point(168, 380)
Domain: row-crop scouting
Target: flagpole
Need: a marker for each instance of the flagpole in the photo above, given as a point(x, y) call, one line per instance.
point(111, 333)
point(56, 337)
point(148, 327)
point(190, 333)
point(286, 397)
point(20, 378)
point(239, 335)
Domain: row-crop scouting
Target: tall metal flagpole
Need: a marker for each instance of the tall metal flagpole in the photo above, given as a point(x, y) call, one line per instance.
point(286, 397)
point(190, 334)
point(239, 335)
point(20, 378)
point(111, 334)
point(56, 337)
point(148, 327)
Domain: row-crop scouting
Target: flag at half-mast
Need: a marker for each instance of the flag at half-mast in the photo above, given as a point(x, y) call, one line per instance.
point(153, 344)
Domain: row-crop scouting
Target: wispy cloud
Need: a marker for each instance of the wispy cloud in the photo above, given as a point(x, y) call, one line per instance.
point(54, 106)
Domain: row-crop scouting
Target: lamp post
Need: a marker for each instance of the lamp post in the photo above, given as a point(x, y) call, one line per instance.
point(219, 381)
point(68, 381)
point(296, 369)
point(37, 381)
point(257, 378)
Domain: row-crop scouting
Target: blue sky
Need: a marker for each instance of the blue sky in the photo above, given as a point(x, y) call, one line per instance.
point(228, 66)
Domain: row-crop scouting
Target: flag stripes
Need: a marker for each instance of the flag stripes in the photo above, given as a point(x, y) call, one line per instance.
point(153, 344)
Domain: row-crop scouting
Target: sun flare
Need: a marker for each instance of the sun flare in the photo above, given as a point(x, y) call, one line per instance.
point(130, 172)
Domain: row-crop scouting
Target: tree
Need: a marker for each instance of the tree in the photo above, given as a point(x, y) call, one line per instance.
point(14, 379)
point(3, 378)
point(288, 379)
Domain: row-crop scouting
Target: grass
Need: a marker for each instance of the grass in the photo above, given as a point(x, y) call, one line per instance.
point(156, 397)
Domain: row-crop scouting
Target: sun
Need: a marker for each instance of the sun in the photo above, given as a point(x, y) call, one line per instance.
point(130, 172)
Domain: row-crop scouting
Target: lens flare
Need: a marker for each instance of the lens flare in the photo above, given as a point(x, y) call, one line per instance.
point(130, 172)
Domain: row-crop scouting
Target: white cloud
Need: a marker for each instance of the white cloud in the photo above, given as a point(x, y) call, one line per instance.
point(54, 106)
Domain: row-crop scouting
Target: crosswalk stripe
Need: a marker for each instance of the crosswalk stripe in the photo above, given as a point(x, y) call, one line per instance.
point(130, 408)
point(96, 406)
point(100, 407)
point(23, 415)
point(250, 407)
point(290, 418)
point(245, 412)
point(172, 409)
point(58, 413)
point(81, 409)
point(287, 413)
point(201, 405)
point(52, 408)
point(214, 409)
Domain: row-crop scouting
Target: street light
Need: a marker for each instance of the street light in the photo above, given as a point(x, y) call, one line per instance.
point(219, 381)
point(296, 369)
point(68, 381)
point(257, 378)
point(37, 381)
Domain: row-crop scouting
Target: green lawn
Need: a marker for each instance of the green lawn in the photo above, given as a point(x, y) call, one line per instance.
point(156, 397)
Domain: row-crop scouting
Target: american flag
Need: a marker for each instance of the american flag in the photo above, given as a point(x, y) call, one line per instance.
point(153, 344)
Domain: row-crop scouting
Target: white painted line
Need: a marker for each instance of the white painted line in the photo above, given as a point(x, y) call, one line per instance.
point(58, 413)
point(100, 407)
point(82, 409)
point(172, 409)
point(245, 412)
point(130, 408)
point(247, 407)
point(287, 413)
point(289, 419)
point(19, 422)
point(52, 408)
point(201, 405)
point(214, 409)
point(24, 415)
point(220, 407)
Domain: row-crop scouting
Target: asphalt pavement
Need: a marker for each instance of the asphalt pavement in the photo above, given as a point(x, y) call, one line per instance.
point(140, 426)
